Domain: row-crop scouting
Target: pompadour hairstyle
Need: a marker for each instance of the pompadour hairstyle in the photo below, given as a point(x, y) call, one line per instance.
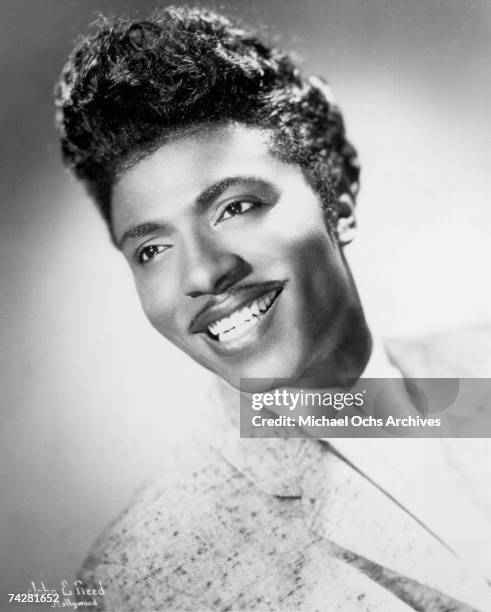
point(131, 84)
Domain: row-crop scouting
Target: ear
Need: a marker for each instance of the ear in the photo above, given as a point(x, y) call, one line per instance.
point(345, 223)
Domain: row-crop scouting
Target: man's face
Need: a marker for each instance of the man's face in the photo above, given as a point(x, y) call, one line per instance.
point(231, 255)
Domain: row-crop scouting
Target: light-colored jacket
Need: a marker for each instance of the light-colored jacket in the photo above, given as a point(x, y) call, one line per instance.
point(292, 524)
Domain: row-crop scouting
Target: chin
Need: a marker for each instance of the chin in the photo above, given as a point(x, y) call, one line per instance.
point(255, 385)
point(263, 376)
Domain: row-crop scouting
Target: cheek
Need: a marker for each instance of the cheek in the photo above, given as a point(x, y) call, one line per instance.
point(294, 236)
point(307, 242)
point(159, 302)
point(319, 275)
point(301, 247)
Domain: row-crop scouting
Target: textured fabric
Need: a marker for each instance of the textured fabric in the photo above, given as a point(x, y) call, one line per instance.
point(258, 524)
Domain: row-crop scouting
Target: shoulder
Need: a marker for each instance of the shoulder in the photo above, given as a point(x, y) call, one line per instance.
point(180, 533)
point(194, 473)
point(457, 353)
point(207, 534)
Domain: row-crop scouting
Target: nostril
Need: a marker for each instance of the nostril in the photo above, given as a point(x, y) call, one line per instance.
point(194, 294)
point(224, 283)
point(236, 271)
point(216, 275)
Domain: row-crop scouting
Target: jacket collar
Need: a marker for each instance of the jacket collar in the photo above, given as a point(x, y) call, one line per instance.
point(283, 467)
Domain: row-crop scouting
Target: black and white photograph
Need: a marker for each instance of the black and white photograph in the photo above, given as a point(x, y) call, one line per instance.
point(246, 305)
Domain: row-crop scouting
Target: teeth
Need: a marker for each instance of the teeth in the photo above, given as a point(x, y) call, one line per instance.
point(268, 299)
point(235, 332)
point(241, 320)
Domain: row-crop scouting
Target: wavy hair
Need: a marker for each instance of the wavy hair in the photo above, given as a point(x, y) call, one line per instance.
point(131, 84)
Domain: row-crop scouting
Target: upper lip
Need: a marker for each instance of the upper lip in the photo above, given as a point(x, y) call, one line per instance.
point(224, 307)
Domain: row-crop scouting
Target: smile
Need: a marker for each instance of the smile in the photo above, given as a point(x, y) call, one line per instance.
point(242, 319)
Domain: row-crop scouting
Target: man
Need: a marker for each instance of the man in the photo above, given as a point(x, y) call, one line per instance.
point(227, 181)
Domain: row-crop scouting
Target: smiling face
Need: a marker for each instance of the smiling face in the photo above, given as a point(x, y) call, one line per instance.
point(233, 261)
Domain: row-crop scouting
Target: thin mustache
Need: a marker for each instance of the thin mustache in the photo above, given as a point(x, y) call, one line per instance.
point(225, 296)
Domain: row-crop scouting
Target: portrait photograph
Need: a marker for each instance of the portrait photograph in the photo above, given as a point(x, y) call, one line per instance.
point(245, 305)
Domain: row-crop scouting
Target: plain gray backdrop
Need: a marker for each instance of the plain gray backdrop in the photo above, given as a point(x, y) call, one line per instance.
point(90, 395)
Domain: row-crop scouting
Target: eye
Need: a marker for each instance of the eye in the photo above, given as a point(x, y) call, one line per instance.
point(239, 207)
point(149, 252)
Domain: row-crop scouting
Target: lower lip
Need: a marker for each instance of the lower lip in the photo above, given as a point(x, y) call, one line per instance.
point(249, 339)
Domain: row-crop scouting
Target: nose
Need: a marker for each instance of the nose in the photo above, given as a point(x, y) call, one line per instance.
point(209, 268)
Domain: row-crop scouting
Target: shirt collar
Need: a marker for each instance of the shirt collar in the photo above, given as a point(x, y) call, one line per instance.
point(379, 365)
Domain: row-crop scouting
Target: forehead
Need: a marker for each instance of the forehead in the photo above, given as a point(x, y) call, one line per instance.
point(181, 169)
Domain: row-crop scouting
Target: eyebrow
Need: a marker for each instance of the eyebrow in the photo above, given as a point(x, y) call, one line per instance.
point(202, 201)
point(140, 231)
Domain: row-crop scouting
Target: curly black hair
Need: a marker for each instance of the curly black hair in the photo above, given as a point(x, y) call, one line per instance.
point(133, 83)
